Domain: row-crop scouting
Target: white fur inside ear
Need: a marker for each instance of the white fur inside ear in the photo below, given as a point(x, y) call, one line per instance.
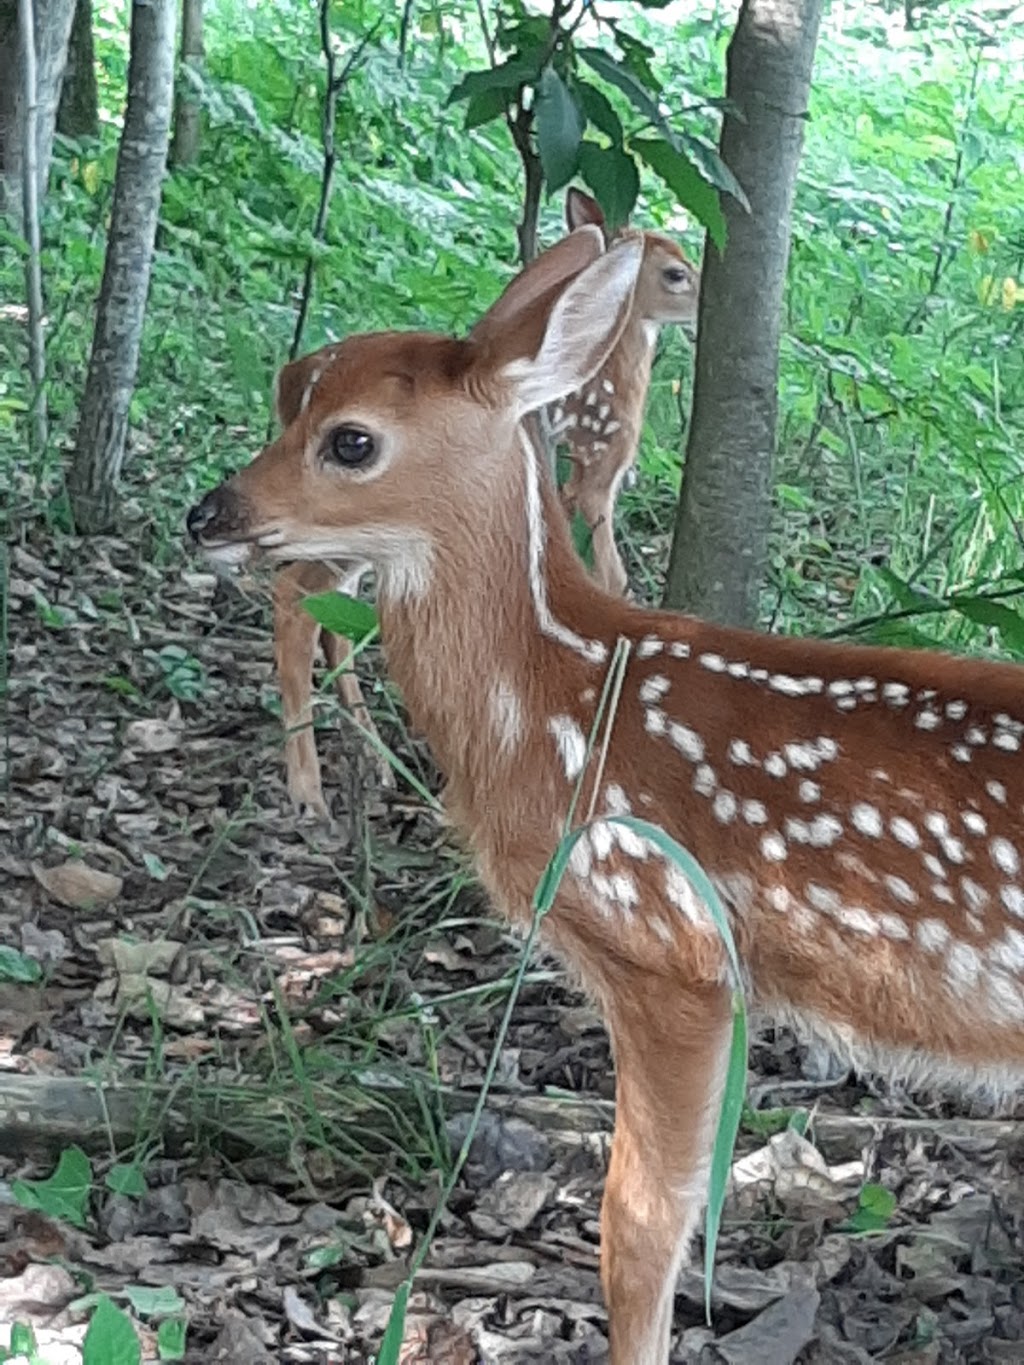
point(583, 326)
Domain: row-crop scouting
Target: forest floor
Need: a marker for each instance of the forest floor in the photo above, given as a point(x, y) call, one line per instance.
point(268, 1036)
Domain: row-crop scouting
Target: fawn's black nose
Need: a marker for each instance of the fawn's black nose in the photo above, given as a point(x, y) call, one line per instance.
point(205, 514)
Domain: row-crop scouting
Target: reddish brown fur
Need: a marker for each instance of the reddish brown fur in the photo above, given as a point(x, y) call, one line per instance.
point(940, 979)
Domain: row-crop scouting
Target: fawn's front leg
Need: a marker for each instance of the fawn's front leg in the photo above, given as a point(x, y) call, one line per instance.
point(671, 1045)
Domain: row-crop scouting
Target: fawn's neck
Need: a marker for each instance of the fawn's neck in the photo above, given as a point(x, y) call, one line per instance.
point(484, 654)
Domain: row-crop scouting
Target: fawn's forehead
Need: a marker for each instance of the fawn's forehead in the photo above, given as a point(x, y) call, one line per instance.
point(393, 368)
point(664, 251)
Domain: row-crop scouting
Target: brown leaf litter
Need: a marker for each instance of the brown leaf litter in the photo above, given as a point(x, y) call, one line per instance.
point(284, 1026)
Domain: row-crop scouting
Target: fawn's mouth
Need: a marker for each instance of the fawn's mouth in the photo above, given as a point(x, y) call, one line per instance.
point(236, 552)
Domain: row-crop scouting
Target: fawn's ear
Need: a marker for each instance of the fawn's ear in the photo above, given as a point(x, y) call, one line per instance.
point(580, 209)
point(293, 385)
point(579, 329)
point(537, 284)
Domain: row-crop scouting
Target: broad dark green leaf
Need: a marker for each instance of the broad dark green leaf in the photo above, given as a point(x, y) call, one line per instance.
point(63, 1194)
point(599, 111)
point(342, 615)
point(15, 966)
point(559, 129)
point(690, 188)
point(484, 106)
point(613, 176)
point(111, 1338)
point(713, 168)
point(637, 94)
point(984, 612)
point(519, 70)
point(875, 1207)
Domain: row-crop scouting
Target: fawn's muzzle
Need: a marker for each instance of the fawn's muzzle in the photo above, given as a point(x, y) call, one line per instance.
point(220, 516)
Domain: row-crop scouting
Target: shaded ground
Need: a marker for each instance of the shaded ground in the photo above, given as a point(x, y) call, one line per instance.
point(282, 1029)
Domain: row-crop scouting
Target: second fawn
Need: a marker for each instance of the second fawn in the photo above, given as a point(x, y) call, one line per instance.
point(859, 809)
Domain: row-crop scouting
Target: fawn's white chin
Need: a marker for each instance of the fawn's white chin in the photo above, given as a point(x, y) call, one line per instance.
point(231, 554)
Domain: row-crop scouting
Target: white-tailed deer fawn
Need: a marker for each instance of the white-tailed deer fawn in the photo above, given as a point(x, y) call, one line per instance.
point(600, 425)
point(858, 808)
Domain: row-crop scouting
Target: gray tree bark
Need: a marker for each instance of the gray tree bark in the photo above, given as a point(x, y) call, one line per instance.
point(78, 114)
point(720, 543)
point(52, 31)
point(30, 218)
point(141, 158)
point(188, 112)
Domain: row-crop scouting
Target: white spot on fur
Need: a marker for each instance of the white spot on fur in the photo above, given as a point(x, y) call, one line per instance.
point(1005, 856)
point(773, 846)
point(1013, 898)
point(867, 820)
point(927, 720)
point(602, 840)
point(616, 800)
point(974, 894)
point(809, 792)
point(724, 807)
point(855, 917)
point(997, 792)
point(973, 822)
point(963, 963)
point(896, 693)
point(649, 646)
point(824, 831)
point(960, 752)
point(932, 935)
point(906, 832)
point(775, 765)
point(893, 926)
point(900, 889)
point(655, 721)
point(654, 688)
point(581, 858)
point(713, 662)
point(803, 757)
point(956, 710)
point(506, 714)
point(571, 743)
point(679, 649)
point(687, 741)
point(1004, 740)
point(741, 753)
point(704, 780)
point(755, 812)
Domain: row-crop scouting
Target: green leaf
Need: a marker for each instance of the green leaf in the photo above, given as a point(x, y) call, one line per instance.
point(875, 1207)
point(64, 1194)
point(508, 76)
point(155, 866)
point(612, 174)
point(111, 1338)
point(23, 1339)
point(638, 95)
point(392, 1343)
point(15, 966)
point(484, 106)
point(126, 1177)
point(713, 168)
point(559, 129)
point(984, 612)
point(170, 1339)
point(598, 109)
point(151, 1303)
point(690, 188)
point(342, 615)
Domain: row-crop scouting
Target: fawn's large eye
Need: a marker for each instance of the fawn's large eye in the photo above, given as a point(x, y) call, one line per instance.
point(350, 446)
point(675, 276)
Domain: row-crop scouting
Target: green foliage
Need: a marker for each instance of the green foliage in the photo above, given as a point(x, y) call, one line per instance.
point(875, 1208)
point(542, 87)
point(110, 1338)
point(23, 1346)
point(65, 1194)
point(15, 966)
point(343, 615)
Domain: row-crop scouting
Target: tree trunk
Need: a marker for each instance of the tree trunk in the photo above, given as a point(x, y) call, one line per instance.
point(188, 111)
point(141, 158)
point(53, 28)
point(30, 219)
point(78, 114)
point(721, 535)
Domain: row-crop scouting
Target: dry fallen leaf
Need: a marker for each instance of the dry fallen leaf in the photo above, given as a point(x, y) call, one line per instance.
point(77, 885)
